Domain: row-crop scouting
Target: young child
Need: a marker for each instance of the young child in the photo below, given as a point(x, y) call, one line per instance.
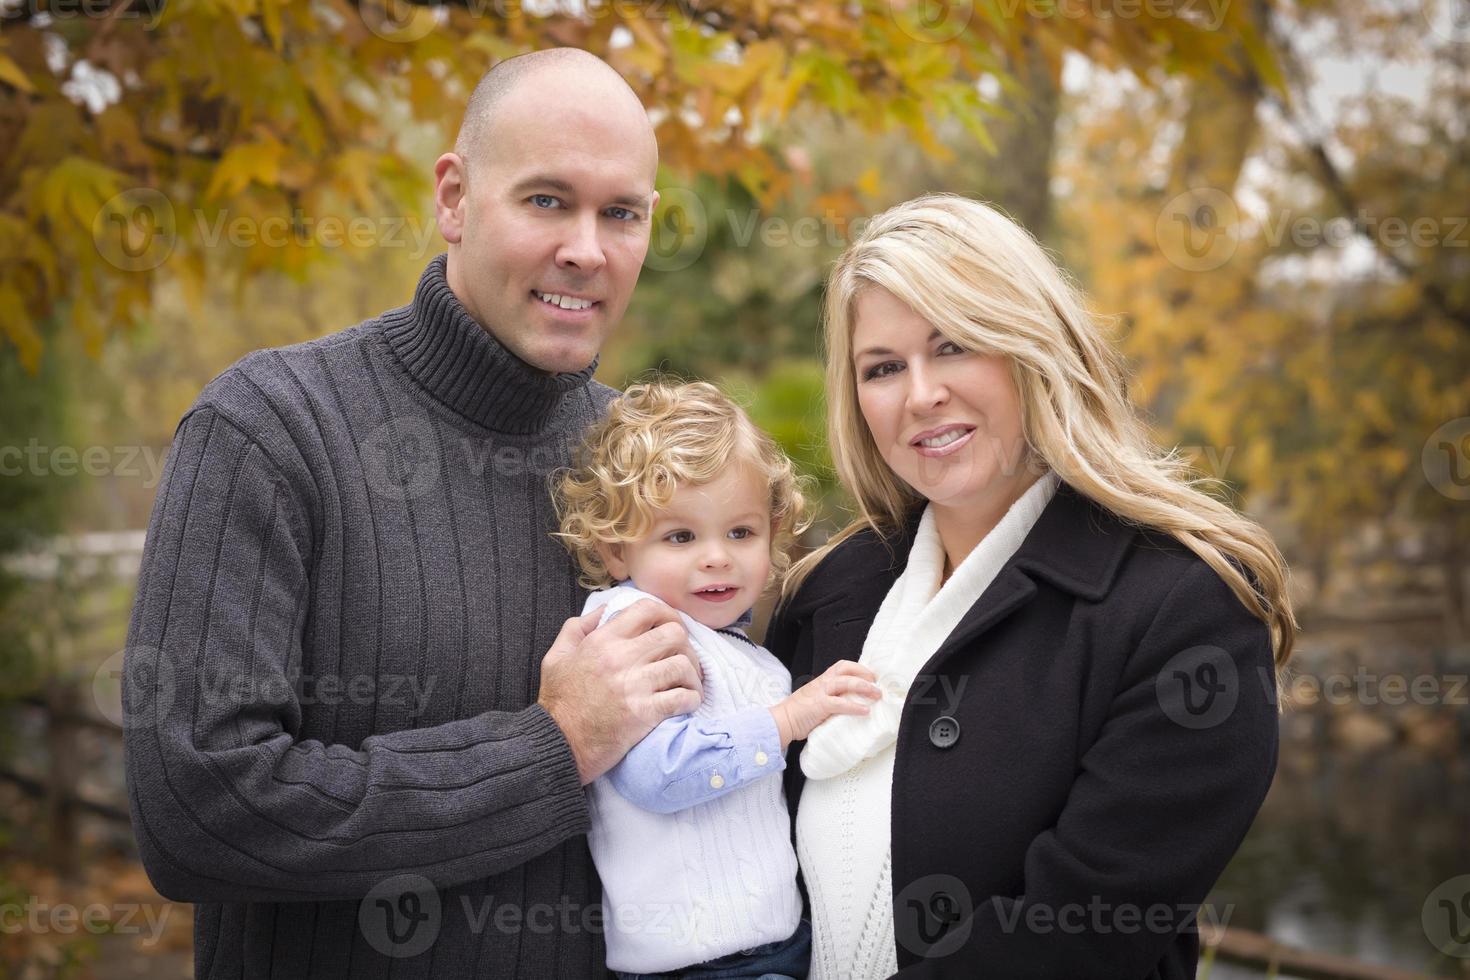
point(679, 496)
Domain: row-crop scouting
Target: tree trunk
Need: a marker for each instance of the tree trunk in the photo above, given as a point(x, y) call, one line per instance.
point(1025, 142)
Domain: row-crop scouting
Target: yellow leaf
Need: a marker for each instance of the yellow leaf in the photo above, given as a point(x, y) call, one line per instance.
point(76, 188)
point(11, 74)
point(16, 325)
point(646, 35)
point(270, 16)
point(259, 162)
point(777, 98)
point(13, 234)
point(758, 60)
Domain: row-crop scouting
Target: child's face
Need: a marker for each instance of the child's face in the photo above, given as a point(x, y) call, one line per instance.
point(715, 534)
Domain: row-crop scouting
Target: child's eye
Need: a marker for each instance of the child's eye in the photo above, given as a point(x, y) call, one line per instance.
point(679, 537)
point(741, 533)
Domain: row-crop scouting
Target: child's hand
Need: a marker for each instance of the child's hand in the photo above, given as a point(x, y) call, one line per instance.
point(814, 702)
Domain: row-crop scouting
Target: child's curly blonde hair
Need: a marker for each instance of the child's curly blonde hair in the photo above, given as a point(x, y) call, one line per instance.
point(656, 438)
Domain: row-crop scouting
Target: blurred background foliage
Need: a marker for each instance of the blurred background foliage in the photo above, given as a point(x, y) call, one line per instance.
point(1320, 367)
point(1264, 199)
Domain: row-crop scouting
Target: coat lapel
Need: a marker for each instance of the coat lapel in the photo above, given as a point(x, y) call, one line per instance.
point(1010, 590)
point(840, 626)
point(842, 616)
point(1075, 545)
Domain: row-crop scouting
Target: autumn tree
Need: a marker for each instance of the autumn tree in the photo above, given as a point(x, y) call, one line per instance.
point(197, 138)
point(1293, 291)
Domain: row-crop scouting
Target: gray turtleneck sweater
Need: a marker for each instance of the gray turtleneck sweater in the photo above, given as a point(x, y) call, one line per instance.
point(333, 742)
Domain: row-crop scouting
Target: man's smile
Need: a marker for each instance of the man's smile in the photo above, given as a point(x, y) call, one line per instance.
point(565, 301)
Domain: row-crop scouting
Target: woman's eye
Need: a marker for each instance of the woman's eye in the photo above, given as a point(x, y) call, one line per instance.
point(545, 201)
point(954, 348)
point(880, 370)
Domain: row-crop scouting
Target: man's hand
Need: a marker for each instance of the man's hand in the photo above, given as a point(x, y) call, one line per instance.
point(608, 687)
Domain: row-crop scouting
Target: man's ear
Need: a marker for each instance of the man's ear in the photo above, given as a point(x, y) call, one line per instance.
point(612, 558)
point(450, 187)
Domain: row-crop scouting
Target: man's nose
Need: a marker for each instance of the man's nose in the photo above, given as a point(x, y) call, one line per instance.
point(582, 249)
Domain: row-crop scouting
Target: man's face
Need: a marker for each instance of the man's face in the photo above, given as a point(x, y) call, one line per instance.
point(548, 236)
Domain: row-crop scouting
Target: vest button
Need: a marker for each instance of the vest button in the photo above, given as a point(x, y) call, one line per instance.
point(944, 731)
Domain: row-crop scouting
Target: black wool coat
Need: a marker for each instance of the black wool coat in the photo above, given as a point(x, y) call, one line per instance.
point(1075, 765)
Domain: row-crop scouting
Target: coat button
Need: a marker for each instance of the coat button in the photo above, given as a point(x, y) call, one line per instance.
point(944, 731)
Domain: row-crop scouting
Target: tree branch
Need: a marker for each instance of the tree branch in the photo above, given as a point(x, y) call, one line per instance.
point(1342, 194)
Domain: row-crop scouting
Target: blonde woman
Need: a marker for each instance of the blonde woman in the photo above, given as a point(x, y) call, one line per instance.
point(1077, 647)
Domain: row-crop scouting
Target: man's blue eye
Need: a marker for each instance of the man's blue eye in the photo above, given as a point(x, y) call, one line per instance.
point(543, 200)
point(622, 214)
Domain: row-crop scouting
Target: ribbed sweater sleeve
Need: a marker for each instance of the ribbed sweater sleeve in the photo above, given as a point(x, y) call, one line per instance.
point(230, 802)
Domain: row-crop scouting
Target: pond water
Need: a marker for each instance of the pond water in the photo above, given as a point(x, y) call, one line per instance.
point(1345, 853)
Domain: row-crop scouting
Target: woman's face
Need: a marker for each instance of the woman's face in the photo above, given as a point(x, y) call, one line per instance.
point(946, 420)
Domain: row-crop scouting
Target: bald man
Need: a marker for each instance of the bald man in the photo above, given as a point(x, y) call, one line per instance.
point(360, 711)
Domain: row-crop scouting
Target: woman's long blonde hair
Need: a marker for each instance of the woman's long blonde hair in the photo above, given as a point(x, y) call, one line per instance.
point(985, 284)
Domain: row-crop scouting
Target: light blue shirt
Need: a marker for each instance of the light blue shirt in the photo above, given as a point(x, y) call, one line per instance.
point(688, 760)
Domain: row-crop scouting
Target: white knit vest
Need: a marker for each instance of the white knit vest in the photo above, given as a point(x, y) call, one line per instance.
point(719, 877)
point(842, 824)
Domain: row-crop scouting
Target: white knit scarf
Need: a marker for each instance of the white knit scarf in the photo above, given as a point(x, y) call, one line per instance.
point(916, 617)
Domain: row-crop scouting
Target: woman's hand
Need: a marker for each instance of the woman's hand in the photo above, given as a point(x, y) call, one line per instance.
point(825, 696)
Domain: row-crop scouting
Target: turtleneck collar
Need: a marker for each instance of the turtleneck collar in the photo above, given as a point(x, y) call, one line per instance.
point(463, 366)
